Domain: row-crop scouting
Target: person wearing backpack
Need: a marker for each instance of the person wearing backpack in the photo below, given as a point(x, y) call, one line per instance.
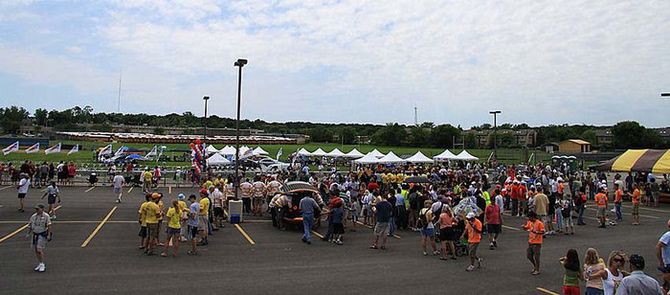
point(580, 203)
point(425, 223)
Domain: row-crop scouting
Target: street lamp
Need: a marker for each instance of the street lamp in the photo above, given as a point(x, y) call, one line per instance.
point(666, 94)
point(495, 133)
point(204, 137)
point(239, 63)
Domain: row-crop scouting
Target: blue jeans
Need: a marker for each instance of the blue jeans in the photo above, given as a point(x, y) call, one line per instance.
point(307, 223)
point(559, 218)
point(594, 291)
point(617, 207)
point(391, 225)
point(580, 220)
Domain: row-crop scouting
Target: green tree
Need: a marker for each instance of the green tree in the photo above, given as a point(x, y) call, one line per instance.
point(470, 141)
point(630, 134)
point(12, 118)
point(390, 135)
point(41, 116)
point(419, 136)
point(589, 135)
point(348, 135)
point(443, 136)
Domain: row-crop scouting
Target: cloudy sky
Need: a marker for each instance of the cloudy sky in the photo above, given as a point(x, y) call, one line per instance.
point(540, 62)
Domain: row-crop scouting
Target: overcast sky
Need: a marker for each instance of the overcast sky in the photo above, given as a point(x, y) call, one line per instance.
point(540, 62)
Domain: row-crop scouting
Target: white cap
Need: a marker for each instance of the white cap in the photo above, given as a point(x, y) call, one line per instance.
point(470, 215)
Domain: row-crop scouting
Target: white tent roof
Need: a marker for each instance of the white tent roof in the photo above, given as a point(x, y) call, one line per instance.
point(367, 159)
point(335, 153)
point(260, 151)
point(211, 149)
point(376, 153)
point(227, 150)
point(391, 158)
point(217, 160)
point(319, 153)
point(354, 154)
point(446, 155)
point(419, 157)
point(465, 156)
point(303, 152)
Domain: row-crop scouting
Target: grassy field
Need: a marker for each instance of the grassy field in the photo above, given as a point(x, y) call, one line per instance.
point(86, 155)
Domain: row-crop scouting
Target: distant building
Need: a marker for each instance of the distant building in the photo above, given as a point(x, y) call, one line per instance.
point(550, 147)
point(522, 137)
point(574, 146)
point(604, 137)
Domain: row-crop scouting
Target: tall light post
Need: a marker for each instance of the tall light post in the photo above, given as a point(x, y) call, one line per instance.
point(239, 63)
point(665, 94)
point(495, 133)
point(204, 135)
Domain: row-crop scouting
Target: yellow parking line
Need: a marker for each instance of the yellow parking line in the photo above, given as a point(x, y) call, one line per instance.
point(646, 208)
point(4, 188)
point(170, 189)
point(131, 189)
point(9, 236)
point(317, 234)
point(95, 231)
point(90, 189)
point(543, 290)
point(246, 236)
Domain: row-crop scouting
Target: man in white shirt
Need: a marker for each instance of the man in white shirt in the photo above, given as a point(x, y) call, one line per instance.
point(117, 182)
point(38, 229)
point(246, 190)
point(22, 188)
point(258, 195)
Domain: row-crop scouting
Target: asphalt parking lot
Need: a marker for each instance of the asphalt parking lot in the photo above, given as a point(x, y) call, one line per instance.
point(257, 259)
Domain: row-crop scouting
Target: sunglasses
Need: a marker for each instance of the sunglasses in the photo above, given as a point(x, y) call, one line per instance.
point(620, 260)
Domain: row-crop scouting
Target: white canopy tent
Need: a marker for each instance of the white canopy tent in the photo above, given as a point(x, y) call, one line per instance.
point(211, 149)
point(217, 160)
point(335, 153)
point(419, 157)
point(227, 150)
point(465, 156)
point(445, 156)
point(354, 154)
point(259, 151)
point(319, 153)
point(367, 159)
point(391, 158)
point(376, 153)
point(303, 152)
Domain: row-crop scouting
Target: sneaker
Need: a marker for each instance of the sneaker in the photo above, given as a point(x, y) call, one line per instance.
point(339, 242)
point(495, 244)
point(38, 266)
point(470, 268)
point(42, 268)
point(424, 253)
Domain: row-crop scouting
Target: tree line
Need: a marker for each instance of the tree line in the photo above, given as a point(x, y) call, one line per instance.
point(628, 134)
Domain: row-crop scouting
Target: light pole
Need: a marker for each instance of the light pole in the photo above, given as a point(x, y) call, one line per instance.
point(495, 133)
point(204, 135)
point(239, 63)
point(665, 94)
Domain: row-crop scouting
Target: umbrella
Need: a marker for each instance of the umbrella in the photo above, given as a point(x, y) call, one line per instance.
point(647, 160)
point(297, 186)
point(417, 179)
point(135, 157)
point(466, 206)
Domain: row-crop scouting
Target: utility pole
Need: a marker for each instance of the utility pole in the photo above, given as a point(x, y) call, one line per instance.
point(118, 106)
point(495, 133)
point(416, 116)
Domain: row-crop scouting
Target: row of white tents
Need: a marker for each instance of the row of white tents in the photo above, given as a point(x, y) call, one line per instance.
point(230, 151)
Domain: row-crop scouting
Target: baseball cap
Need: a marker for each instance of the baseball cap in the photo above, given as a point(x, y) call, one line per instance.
point(39, 206)
point(155, 196)
point(181, 197)
point(470, 215)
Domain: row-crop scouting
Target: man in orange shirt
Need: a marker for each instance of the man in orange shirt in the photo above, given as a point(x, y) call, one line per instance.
point(601, 202)
point(473, 227)
point(618, 197)
point(535, 230)
point(636, 204)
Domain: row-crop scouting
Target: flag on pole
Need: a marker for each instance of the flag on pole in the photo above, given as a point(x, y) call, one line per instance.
point(74, 149)
point(53, 149)
point(280, 152)
point(106, 150)
point(11, 148)
point(33, 148)
point(121, 150)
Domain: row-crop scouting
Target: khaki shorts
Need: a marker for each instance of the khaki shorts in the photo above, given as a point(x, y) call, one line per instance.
point(203, 221)
point(152, 228)
point(602, 212)
point(381, 228)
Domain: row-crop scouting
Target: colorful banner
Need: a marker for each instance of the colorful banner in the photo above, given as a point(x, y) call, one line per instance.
point(33, 148)
point(74, 149)
point(11, 148)
point(53, 149)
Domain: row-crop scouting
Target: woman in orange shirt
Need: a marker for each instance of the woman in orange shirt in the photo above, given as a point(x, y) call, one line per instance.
point(636, 204)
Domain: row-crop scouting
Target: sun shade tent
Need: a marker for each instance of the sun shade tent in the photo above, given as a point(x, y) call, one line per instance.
point(135, 157)
point(303, 152)
point(391, 158)
point(647, 160)
point(354, 154)
point(465, 156)
point(367, 159)
point(227, 150)
point(335, 153)
point(297, 186)
point(445, 156)
point(376, 153)
point(211, 149)
point(319, 153)
point(217, 160)
point(259, 151)
point(419, 157)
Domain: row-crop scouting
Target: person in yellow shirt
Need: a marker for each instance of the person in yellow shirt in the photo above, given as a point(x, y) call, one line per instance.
point(148, 179)
point(161, 208)
point(203, 224)
point(143, 222)
point(207, 184)
point(184, 215)
point(174, 228)
point(151, 214)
